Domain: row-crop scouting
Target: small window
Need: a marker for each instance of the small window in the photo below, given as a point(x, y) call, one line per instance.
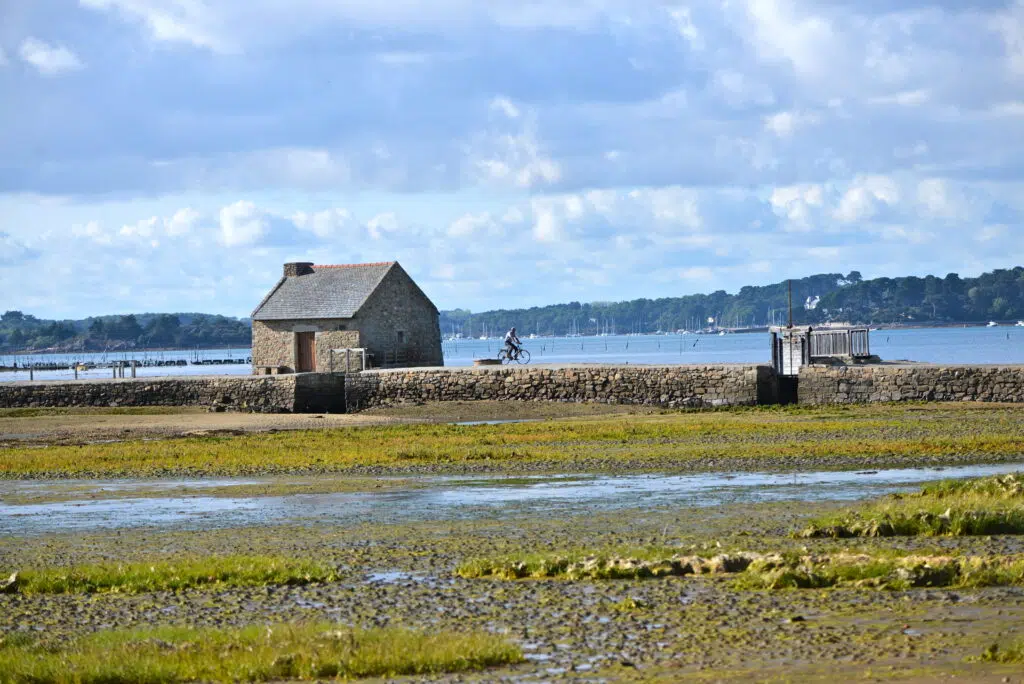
point(401, 337)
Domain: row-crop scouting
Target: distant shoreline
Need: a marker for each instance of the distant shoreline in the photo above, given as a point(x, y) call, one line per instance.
point(24, 352)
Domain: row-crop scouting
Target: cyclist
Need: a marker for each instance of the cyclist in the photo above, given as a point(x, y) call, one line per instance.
point(512, 343)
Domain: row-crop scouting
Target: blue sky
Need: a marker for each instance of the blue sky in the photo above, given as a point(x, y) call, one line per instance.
point(160, 155)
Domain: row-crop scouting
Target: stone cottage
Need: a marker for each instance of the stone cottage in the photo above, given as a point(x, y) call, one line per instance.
point(316, 309)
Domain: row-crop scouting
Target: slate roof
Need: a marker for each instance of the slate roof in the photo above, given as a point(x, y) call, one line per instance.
point(336, 291)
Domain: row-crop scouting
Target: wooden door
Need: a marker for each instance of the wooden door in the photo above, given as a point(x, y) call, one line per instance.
point(305, 343)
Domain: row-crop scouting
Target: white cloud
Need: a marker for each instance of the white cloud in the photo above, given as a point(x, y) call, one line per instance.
point(1010, 24)
point(144, 228)
point(181, 223)
point(506, 107)
point(683, 19)
point(798, 204)
point(516, 159)
point(230, 26)
point(939, 199)
point(325, 224)
point(701, 274)
point(1010, 109)
point(784, 124)
point(243, 224)
point(605, 143)
point(48, 60)
point(907, 98)
point(992, 233)
point(174, 20)
point(477, 226)
point(13, 251)
point(91, 230)
point(781, 31)
point(547, 227)
point(383, 226)
point(739, 90)
point(865, 197)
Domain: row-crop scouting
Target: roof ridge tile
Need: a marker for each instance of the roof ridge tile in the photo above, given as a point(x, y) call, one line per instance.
point(372, 263)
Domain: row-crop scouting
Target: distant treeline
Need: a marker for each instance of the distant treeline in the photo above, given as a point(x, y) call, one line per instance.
point(998, 295)
point(24, 332)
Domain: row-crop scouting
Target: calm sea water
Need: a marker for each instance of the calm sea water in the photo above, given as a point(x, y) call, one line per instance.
point(443, 498)
point(1000, 345)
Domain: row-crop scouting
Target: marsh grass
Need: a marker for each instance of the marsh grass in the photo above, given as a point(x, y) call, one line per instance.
point(171, 575)
point(892, 573)
point(607, 564)
point(992, 505)
point(882, 569)
point(862, 435)
point(251, 654)
point(1014, 653)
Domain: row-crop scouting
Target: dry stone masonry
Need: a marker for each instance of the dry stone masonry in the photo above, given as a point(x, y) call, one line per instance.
point(669, 386)
point(272, 394)
point(917, 382)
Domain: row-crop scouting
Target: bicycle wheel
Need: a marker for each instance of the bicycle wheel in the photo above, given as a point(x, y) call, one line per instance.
point(523, 357)
point(503, 356)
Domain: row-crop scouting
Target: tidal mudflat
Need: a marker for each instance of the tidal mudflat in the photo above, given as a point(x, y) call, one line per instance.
point(377, 529)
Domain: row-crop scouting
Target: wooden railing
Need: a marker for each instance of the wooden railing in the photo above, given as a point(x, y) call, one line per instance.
point(852, 342)
point(796, 347)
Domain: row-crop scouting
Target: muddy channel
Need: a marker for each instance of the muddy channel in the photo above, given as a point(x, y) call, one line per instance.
point(397, 542)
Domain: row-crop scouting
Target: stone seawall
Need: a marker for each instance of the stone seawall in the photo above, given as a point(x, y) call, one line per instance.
point(875, 383)
point(670, 386)
point(270, 394)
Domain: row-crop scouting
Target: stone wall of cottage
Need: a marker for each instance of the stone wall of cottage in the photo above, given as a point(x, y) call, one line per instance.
point(399, 325)
point(875, 383)
point(669, 386)
point(305, 392)
point(273, 344)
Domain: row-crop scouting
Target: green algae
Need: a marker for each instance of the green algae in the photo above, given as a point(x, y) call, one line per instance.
point(1011, 653)
point(863, 436)
point(890, 571)
point(981, 506)
point(169, 575)
point(251, 654)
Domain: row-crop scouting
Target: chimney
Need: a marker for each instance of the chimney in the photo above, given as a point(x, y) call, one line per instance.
point(298, 268)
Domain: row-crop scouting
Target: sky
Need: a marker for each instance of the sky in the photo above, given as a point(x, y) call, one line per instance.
point(171, 155)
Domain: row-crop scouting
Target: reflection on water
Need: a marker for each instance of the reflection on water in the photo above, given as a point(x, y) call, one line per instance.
point(452, 498)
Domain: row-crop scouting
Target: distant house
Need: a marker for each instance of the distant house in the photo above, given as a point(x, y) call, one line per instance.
point(316, 309)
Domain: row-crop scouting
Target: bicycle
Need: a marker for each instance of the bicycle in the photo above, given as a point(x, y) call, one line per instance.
point(521, 356)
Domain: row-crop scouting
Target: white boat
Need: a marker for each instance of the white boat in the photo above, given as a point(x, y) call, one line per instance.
point(992, 324)
point(1020, 324)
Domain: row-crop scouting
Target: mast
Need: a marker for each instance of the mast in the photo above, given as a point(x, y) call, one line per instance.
point(790, 303)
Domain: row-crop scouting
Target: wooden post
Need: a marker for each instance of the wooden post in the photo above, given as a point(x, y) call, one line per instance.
point(790, 303)
point(133, 368)
point(31, 373)
point(76, 371)
point(347, 367)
